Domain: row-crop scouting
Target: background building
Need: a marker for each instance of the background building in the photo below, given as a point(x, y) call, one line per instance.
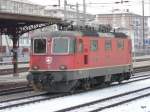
point(129, 23)
point(24, 43)
point(21, 7)
point(69, 14)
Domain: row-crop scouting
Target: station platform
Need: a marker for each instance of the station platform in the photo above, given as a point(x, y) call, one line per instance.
point(142, 57)
point(11, 66)
point(11, 79)
point(141, 64)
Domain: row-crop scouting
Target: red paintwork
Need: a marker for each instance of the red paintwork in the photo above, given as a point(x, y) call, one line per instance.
point(99, 58)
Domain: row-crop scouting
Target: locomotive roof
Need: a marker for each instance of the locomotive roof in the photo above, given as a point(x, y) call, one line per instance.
point(77, 33)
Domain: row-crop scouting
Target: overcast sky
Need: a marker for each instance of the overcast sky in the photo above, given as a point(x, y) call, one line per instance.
point(133, 5)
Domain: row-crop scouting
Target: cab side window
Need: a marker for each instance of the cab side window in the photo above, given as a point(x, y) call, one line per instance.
point(94, 45)
point(72, 46)
point(108, 45)
point(120, 44)
point(80, 46)
point(39, 46)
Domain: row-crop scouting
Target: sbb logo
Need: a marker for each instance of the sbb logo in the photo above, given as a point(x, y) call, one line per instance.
point(48, 60)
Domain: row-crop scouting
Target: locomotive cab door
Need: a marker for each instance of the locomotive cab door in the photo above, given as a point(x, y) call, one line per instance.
point(82, 53)
point(85, 51)
point(108, 51)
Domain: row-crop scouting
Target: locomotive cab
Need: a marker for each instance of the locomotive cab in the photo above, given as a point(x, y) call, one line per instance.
point(46, 53)
point(50, 58)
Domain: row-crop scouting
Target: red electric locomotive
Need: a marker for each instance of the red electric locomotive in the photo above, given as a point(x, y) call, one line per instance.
point(64, 60)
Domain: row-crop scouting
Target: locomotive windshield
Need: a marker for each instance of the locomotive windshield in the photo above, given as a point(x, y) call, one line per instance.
point(63, 46)
point(39, 46)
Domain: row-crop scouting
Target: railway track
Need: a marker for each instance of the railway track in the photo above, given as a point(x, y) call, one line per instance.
point(101, 104)
point(141, 69)
point(32, 97)
point(141, 59)
point(10, 70)
point(15, 90)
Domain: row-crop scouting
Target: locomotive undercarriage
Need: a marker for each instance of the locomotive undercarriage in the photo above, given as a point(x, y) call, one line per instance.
point(47, 82)
point(68, 81)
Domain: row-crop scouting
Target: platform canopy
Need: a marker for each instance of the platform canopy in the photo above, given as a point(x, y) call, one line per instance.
point(17, 24)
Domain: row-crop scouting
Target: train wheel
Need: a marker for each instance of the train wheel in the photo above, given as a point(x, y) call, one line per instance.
point(86, 84)
point(128, 75)
point(120, 78)
point(107, 83)
point(34, 87)
point(76, 86)
point(37, 86)
point(64, 86)
point(119, 81)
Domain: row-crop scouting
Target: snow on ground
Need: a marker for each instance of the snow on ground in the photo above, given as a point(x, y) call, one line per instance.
point(72, 100)
point(140, 105)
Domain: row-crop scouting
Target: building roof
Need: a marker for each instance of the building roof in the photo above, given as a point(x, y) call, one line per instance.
point(26, 2)
point(127, 14)
point(68, 10)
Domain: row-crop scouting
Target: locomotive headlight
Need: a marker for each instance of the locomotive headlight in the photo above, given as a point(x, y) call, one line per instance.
point(35, 67)
point(62, 67)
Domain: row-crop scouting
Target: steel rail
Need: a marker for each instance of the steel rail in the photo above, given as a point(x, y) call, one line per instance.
point(15, 90)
